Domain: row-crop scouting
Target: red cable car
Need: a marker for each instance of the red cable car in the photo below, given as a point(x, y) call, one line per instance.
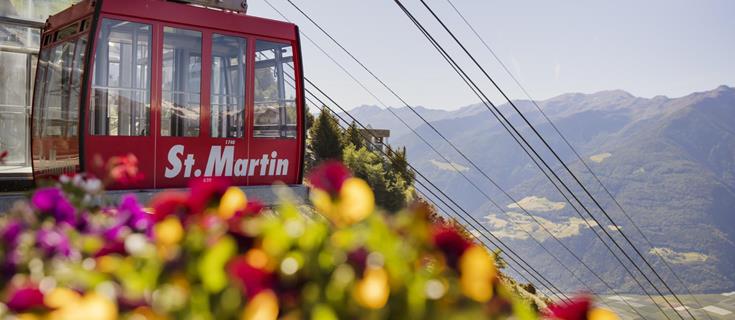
point(191, 90)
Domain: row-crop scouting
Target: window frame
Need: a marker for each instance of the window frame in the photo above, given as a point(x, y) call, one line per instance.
point(247, 82)
point(296, 72)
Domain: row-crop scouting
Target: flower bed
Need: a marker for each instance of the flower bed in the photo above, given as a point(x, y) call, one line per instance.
point(212, 253)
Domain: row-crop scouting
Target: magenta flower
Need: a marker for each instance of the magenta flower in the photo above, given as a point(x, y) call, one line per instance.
point(11, 233)
point(136, 219)
point(25, 299)
point(206, 193)
point(577, 309)
point(329, 176)
point(53, 242)
point(52, 201)
point(451, 243)
point(253, 280)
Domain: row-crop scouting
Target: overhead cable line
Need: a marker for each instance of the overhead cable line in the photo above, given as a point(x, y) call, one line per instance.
point(394, 114)
point(571, 147)
point(428, 144)
point(566, 187)
point(576, 179)
point(545, 283)
point(545, 164)
point(456, 149)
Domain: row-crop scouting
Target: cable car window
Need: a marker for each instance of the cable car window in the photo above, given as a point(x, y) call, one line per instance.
point(182, 72)
point(55, 115)
point(76, 85)
point(275, 95)
point(120, 104)
point(228, 86)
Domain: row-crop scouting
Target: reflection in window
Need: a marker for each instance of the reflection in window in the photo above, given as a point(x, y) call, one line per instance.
point(55, 113)
point(275, 101)
point(120, 104)
point(182, 72)
point(228, 86)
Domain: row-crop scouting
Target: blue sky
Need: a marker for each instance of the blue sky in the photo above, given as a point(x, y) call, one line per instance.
point(644, 47)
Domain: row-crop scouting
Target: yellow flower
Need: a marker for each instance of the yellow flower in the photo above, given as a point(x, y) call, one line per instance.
point(232, 201)
point(264, 306)
point(93, 306)
point(372, 290)
point(477, 272)
point(354, 202)
point(169, 231)
point(601, 314)
point(60, 297)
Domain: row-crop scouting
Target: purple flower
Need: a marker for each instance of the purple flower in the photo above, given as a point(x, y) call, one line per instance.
point(11, 233)
point(137, 219)
point(53, 242)
point(52, 201)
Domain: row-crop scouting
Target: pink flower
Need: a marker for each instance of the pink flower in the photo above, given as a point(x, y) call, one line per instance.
point(577, 309)
point(253, 280)
point(124, 169)
point(169, 203)
point(25, 299)
point(52, 201)
point(451, 243)
point(329, 176)
point(206, 193)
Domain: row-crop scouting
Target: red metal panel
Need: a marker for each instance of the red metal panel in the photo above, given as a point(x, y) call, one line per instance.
point(75, 12)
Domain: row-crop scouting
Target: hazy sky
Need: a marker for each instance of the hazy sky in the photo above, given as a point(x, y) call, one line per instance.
point(645, 47)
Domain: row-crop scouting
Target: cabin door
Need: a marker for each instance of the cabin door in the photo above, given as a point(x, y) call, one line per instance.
point(119, 118)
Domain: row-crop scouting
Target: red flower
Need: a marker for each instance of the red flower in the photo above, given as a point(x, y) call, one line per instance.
point(124, 169)
point(329, 176)
point(3, 155)
point(24, 299)
point(451, 243)
point(253, 280)
point(204, 193)
point(358, 259)
point(168, 203)
point(577, 309)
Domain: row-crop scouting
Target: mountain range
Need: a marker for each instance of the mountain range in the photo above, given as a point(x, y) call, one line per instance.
point(668, 162)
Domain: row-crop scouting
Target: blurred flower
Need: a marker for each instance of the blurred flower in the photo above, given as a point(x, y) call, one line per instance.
point(252, 279)
point(451, 243)
point(135, 217)
point(329, 177)
point(169, 203)
point(53, 241)
point(580, 308)
point(358, 259)
point(25, 299)
point(264, 306)
point(169, 231)
point(111, 247)
point(52, 201)
point(477, 273)
point(354, 202)
point(372, 290)
point(11, 232)
point(92, 306)
point(232, 201)
point(205, 193)
point(124, 169)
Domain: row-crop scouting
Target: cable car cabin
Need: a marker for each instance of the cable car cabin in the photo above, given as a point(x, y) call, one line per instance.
point(191, 91)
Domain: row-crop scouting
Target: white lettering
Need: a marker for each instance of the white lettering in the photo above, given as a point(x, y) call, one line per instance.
point(241, 167)
point(263, 164)
point(282, 167)
point(220, 161)
point(253, 164)
point(174, 161)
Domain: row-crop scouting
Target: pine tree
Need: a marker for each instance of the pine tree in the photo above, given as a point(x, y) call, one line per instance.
point(326, 142)
point(399, 164)
point(353, 136)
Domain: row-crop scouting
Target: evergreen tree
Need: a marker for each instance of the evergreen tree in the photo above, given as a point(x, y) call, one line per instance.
point(326, 142)
point(399, 164)
point(353, 136)
point(309, 118)
point(389, 188)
